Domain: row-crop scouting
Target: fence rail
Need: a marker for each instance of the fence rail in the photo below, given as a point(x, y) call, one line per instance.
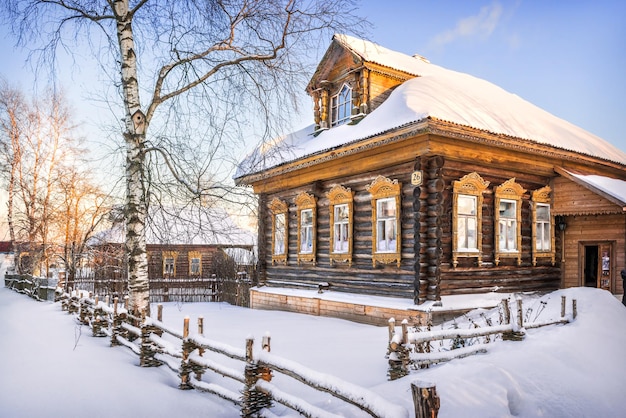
point(245, 376)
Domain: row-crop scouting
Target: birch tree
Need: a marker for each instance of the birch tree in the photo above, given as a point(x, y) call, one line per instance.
point(231, 60)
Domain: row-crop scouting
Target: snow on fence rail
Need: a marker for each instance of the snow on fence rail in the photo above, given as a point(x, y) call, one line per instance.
point(246, 378)
point(414, 348)
point(38, 288)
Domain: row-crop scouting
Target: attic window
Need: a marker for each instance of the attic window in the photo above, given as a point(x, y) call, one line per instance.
point(341, 106)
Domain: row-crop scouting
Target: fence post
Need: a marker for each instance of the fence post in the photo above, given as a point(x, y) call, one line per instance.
point(160, 312)
point(574, 309)
point(562, 306)
point(185, 367)
point(392, 328)
point(199, 369)
point(520, 314)
point(99, 320)
point(147, 347)
point(253, 401)
point(506, 312)
point(116, 325)
point(425, 399)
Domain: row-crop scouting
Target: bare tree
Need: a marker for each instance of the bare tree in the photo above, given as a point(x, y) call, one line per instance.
point(82, 208)
point(227, 60)
point(51, 199)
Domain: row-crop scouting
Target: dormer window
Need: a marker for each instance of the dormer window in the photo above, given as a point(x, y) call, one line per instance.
point(341, 106)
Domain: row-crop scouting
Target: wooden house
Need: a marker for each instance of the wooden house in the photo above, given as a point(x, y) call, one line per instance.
point(182, 246)
point(416, 182)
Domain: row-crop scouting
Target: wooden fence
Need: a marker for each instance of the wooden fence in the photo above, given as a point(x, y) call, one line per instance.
point(235, 291)
point(35, 287)
point(415, 348)
point(247, 377)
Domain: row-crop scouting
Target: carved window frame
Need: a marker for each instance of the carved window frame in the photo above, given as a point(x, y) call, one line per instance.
point(340, 195)
point(169, 255)
point(341, 102)
point(383, 188)
point(473, 185)
point(279, 209)
point(509, 191)
point(541, 197)
point(195, 255)
point(307, 202)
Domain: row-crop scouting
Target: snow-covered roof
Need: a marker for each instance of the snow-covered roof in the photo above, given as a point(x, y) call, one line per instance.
point(185, 226)
point(437, 93)
point(613, 189)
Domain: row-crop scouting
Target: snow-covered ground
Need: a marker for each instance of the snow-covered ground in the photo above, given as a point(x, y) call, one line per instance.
point(50, 366)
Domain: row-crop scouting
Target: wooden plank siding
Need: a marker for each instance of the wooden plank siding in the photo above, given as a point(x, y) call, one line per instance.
point(592, 230)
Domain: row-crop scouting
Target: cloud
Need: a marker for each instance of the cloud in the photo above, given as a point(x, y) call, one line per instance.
point(480, 25)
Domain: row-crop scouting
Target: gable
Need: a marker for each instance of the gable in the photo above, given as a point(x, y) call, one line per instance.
point(573, 198)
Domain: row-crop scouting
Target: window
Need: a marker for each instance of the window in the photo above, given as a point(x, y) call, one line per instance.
point(507, 226)
point(341, 106)
point(279, 210)
point(386, 225)
point(341, 203)
point(306, 231)
point(508, 221)
point(341, 228)
point(467, 217)
point(169, 264)
point(306, 205)
point(467, 223)
point(385, 220)
point(543, 226)
point(195, 263)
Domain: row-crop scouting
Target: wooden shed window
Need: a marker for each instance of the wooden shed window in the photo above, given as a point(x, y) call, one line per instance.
point(306, 205)
point(543, 225)
point(341, 206)
point(386, 242)
point(341, 106)
point(195, 263)
point(279, 210)
point(508, 220)
point(467, 217)
point(169, 263)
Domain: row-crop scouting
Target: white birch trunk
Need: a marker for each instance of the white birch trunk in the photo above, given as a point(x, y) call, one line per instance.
point(134, 136)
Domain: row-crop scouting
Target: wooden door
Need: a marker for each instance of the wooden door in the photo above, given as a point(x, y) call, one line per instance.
point(597, 265)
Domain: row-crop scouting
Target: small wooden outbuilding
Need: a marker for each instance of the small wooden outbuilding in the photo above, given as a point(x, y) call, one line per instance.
point(416, 182)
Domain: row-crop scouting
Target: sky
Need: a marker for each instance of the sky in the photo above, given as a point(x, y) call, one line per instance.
point(565, 56)
point(572, 370)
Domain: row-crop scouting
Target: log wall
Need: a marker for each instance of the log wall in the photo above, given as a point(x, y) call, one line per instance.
point(361, 277)
point(426, 271)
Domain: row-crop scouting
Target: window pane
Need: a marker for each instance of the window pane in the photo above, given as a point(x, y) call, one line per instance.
point(543, 213)
point(386, 208)
point(466, 205)
point(386, 234)
point(507, 209)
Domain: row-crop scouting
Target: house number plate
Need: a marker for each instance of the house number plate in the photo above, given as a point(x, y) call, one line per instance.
point(416, 178)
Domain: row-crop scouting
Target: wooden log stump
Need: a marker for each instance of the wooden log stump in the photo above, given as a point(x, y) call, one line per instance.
point(425, 399)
